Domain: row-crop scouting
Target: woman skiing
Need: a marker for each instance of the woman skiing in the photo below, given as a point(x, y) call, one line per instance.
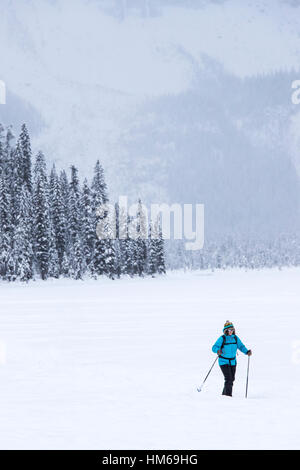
point(226, 347)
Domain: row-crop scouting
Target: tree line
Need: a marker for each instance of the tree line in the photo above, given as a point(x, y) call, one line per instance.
point(48, 222)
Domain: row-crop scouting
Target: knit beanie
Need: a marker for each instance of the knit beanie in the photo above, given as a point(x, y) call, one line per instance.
point(228, 324)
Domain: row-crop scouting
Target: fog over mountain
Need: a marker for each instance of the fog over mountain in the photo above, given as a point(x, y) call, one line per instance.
point(181, 103)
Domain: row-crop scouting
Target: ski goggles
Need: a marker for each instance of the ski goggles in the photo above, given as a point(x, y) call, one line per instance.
point(228, 327)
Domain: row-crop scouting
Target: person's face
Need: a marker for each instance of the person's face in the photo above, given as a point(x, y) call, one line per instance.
point(230, 331)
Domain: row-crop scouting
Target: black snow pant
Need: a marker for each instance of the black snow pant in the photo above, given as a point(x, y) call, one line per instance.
point(229, 375)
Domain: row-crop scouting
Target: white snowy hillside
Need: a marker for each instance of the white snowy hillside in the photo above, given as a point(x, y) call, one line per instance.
point(116, 365)
point(182, 101)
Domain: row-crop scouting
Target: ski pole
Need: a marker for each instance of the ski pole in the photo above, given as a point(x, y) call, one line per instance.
point(247, 376)
point(200, 388)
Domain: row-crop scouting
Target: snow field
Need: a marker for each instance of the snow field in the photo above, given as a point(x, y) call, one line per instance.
point(115, 364)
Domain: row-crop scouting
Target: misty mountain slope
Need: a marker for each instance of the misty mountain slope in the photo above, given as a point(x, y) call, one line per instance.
point(179, 103)
point(19, 111)
point(222, 144)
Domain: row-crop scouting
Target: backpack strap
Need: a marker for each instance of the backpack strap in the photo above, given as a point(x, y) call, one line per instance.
point(228, 359)
point(224, 341)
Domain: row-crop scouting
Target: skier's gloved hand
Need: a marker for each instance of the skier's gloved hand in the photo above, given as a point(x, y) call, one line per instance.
point(249, 352)
point(219, 352)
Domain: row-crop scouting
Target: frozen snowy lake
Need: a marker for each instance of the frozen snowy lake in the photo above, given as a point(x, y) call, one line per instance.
point(115, 364)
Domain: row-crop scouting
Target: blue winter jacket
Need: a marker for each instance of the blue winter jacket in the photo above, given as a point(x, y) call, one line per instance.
point(231, 345)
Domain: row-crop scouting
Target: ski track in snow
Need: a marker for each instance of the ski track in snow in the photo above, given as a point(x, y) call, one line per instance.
point(116, 364)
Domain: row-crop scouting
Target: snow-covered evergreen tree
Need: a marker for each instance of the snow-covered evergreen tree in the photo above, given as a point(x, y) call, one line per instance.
point(160, 254)
point(156, 257)
point(24, 141)
point(5, 225)
point(74, 219)
point(23, 250)
point(88, 231)
point(54, 262)
point(98, 187)
point(104, 248)
point(2, 140)
point(152, 259)
point(65, 266)
point(127, 245)
point(64, 191)
point(110, 246)
point(8, 147)
point(76, 259)
point(57, 215)
point(41, 217)
point(140, 251)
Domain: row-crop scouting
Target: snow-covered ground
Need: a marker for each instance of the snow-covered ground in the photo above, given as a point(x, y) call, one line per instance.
point(115, 364)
